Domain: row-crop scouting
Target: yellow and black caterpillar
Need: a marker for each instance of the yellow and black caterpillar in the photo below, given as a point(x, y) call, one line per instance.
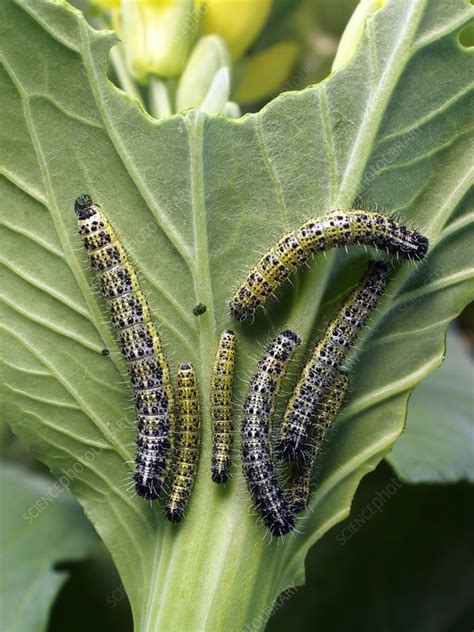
point(327, 413)
point(139, 343)
point(221, 407)
point(187, 443)
point(320, 370)
point(259, 470)
point(342, 228)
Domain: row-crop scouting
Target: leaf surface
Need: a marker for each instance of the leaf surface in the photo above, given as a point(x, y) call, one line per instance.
point(193, 198)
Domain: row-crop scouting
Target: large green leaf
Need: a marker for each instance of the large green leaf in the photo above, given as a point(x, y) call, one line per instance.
point(438, 443)
point(41, 525)
point(193, 198)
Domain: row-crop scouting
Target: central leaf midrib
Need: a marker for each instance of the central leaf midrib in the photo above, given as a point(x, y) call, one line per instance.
point(172, 235)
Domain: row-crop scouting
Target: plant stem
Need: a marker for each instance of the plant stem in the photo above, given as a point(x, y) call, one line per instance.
point(126, 82)
point(160, 104)
point(220, 577)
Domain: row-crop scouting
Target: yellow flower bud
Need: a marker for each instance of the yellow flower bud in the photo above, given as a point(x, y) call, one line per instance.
point(354, 31)
point(237, 21)
point(209, 55)
point(158, 36)
point(265, 72)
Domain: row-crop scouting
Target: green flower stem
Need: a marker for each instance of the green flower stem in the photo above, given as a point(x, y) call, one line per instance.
point(160, 104)
point(126, 82)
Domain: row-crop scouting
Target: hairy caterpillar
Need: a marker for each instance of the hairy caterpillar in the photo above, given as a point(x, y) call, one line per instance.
point(139, 343)
point(327, 413)
point(187, 443)
point(221, 407)
point(342, 228)
point(326, 359)
point(258, 467)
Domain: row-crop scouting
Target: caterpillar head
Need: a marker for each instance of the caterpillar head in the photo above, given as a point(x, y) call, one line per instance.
point(408, 243)
point(422, 244)
point(84, 206)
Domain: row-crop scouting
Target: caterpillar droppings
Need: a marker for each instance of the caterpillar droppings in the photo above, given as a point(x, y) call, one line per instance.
point(258, 467)
point(342, 228)
point(187, 443)
point(139, 344)
point(221, 407)
point(327, 413)
point(327, 357)
point(199, 309)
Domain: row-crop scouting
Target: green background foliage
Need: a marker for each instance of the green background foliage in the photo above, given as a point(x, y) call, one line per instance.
point(438, 444)
point(29, 581)
point(192, 198)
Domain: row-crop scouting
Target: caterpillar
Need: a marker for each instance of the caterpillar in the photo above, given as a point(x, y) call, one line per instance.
point(258, 467)
point(327, 413)
point(139, 344)
point(221, 407)
point(341, 228)
point(293, 443)
point(187, 443)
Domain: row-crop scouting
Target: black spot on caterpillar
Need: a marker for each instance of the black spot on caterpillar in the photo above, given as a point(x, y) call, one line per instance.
point(221, 407)
point(258, 467)
point(139, 343)
point(105, 352)
point(187, 443)
point(326, 359)
point(341, 228)
point(326, 414)
point(199, 309)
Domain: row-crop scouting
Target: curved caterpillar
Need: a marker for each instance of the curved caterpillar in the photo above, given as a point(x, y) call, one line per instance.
point(139, 343)
point(187, 443)
point(258, 467)
point(221, 407)
point(327, 413)
point(325, 360)
point(342, 228)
